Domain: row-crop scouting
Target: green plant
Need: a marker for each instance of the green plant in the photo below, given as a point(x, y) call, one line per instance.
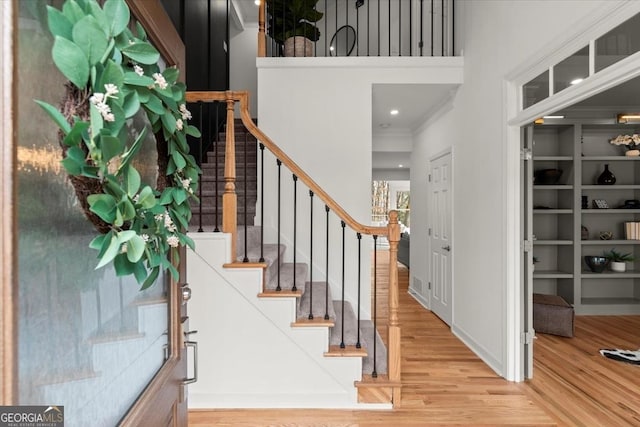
point(114, 75)
point(289, 18)
point(616, 256)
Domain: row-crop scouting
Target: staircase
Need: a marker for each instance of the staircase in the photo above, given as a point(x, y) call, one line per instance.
point(258, 347)
point(275, 332)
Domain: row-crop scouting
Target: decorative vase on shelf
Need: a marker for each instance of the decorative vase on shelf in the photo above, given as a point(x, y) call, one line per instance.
point(618, 267)
point(606, 177)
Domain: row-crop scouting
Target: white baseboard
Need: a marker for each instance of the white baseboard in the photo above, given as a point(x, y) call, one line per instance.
point(480, 351)
point(420, 298)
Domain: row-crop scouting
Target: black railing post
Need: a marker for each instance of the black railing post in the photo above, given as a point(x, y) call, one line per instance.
point(295, 216)
point(326, 289)
point(216, 229)
point(433, 32)
point(311, 256)
point(261, 202)
point(200, 230)
point(343, 285)
point(279, 163)
point(246, 148)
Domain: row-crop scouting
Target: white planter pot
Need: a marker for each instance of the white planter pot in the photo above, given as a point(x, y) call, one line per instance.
point(618, 267)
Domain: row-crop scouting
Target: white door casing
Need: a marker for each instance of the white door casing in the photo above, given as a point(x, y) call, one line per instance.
point(440, 253)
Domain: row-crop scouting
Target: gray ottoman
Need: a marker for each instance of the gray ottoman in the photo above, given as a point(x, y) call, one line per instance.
point(552, 315)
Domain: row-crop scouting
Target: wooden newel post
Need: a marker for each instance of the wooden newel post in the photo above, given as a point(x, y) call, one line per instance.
point(229, 198)
point(394, 325)
point(262, 37)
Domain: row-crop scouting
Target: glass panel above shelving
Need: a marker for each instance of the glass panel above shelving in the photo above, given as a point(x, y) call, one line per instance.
point(571, 70)
point(617, 44)
point(535, 90)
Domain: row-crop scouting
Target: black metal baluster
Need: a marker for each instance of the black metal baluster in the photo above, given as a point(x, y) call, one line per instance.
point(410, 30)
point(357, 30)
point(346, 13)
point(261, 202)
point(311, 257)
point(200, 230)
point(442, 26)
point(421, 42)
point(374, 374)
point(335, 49)
point(279, 163)
point(358, 345)
point(246, 148)
point(343, 284)
point(295, 216)
point(378, 27)
point(399, 28)
point(433, 33)
point(389, 26)
point(368, 28)
point(326, 38)
point(326, 288)
point(453, 28)
point(216, 229)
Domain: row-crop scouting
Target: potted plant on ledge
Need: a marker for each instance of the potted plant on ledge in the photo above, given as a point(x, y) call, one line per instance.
point(291, 24)
point(618, 260)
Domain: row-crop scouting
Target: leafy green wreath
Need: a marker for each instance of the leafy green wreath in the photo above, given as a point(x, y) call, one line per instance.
point(113, 74)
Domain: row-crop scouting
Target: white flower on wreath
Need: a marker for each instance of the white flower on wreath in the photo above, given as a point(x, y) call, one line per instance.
point(179, 124)
point(186, 114)
point(173, 241)
point(138, 70)
point(160, 81)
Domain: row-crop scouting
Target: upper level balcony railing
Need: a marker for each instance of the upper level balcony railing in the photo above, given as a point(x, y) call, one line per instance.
point(356, 28)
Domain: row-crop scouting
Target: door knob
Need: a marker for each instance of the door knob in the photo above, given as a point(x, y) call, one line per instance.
point(447, 248)
point(186, 293)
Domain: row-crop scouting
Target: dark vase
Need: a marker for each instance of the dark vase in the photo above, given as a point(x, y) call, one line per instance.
point(606, 177)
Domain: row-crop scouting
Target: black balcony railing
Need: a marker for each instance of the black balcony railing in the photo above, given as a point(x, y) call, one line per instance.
point(360, 28)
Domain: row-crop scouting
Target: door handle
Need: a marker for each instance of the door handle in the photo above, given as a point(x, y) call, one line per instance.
point(194, 345)
point(447, 248)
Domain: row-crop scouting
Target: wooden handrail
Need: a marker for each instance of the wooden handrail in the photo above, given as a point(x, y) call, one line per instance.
point(243, 98)
point(262, 36)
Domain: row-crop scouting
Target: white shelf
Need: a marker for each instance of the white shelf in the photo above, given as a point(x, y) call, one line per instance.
point(551, 274)
point(610, 158)
point(607, 274)
point(601, 301)
point(612, 187)
point(553, 187)
point(552, 211)
point(609, 242)
point(610, 211)
point(554, 242)
point(553, 158)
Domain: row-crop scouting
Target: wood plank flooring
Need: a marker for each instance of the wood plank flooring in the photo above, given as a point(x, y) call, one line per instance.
point(446, 384)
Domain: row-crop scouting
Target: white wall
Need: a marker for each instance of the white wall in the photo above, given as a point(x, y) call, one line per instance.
point(499, 36)
point(318, 110)
point(243, 74)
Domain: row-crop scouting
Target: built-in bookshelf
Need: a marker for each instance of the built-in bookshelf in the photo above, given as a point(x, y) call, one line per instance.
point(582, 150)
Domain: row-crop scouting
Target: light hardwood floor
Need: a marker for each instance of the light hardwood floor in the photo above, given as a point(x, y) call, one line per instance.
point(445, 383)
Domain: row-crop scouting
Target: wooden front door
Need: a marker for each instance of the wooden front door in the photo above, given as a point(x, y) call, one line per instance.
point(66, 328)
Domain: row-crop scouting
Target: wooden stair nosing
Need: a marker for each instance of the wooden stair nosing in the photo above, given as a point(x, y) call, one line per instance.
point(240, 264)
point(380, 381)
point(348, 351)
point(316, 321)
point(278, 294)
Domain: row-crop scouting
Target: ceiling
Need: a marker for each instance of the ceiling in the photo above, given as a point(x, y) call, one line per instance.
point(247, 9)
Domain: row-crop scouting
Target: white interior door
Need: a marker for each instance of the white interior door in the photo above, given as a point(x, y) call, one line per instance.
point(440, 236)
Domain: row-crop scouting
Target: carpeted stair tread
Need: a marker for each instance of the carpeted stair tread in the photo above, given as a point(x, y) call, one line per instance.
point(366, 328)
point(350, 325)
point(319, 299)
point(286, 277)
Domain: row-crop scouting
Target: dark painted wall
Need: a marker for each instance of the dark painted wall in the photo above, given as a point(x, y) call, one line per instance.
point(204, 28)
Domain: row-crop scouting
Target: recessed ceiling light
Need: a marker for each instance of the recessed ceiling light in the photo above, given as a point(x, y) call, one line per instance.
point(576, 81)
point(257, 2)
point(394, 112)
point(400, 166)
point(553, 117)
